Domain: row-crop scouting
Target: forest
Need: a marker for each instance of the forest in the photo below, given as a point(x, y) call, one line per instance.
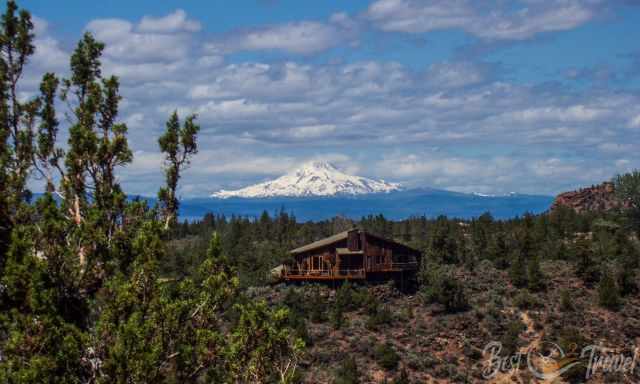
point(97, 287)
point(518, 280)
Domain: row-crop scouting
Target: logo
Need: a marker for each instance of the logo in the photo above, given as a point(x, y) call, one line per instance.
point(548, 361)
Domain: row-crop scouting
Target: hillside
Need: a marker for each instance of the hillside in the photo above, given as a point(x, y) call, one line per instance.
point(563, 277)
point(390, 333)
point(600, 197)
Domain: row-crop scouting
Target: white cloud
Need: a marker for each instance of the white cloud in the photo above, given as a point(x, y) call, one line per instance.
point(511, 22)
point(237, 109)
point(301, 37)
point(151, 40)
point(173, 22)
point(312, 131)
point(635, 122)
point(615, 147)
point(486, 175)
point(455, 74)
point(40, 25)
point(49, 55)
point(574, 113)
point(553, 168)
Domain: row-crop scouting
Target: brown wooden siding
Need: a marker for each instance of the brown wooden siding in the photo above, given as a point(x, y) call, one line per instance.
point(361, 254)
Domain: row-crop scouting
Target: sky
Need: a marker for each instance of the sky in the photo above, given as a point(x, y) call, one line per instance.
point(527, 96)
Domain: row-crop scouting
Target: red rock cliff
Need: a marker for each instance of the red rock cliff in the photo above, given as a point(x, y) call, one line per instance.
point(596, 198)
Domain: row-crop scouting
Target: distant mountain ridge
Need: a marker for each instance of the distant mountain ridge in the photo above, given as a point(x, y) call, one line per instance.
point(395, 205)
point(317, 178)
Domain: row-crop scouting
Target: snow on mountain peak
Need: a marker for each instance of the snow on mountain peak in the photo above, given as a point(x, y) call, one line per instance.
point(315, 178)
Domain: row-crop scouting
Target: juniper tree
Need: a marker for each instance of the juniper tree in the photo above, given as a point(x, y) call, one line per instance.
point(587, 267)
point(518, 270)
point(535, 277)
point(179, 144)
point(81, 296)
point(17, 120)
point(627, 189)
point(498, 250)
point(608, 294)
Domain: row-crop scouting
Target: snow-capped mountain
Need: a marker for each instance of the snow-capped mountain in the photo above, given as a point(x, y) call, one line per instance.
point(316, 178)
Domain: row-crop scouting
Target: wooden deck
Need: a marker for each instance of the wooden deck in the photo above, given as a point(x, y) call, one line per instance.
point(326, 274)
point(292, 274)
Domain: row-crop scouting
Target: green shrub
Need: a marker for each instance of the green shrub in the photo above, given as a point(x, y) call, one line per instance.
point(626, 280)
point(440, 286)
point(386, 356)
point(344, 297)
point(608, 294)
point(572, 341)
point(317, 307)
point(407, 312)
point(336, 317)
point(403, 378)
point(295, 302)
point(382, 316)
point(347, 372)
point(566, 302)
point(525, 300)
point(587, 268)
point(511, 338)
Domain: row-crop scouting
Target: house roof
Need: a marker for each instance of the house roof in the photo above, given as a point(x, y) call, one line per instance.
point(337, 237)
point(321, 243)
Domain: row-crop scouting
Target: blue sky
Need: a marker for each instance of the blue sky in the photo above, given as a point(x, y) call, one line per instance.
point(532, 96)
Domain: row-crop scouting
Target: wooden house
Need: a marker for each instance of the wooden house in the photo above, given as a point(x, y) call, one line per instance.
point(353, 254)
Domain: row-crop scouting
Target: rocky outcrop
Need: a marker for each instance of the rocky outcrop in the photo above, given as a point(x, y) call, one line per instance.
point(596, 198)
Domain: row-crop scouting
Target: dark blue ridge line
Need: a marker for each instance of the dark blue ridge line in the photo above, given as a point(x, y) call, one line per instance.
point(395, 205)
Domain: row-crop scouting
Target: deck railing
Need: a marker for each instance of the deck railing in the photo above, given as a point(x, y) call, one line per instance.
point(348, 272)
point(406, 265)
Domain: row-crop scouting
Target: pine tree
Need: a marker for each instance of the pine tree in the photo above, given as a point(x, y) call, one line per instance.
point(498, 250)
point(535, 277)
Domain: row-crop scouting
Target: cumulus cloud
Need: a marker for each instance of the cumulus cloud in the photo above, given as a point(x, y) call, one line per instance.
point(372, 117)
point(127, 42)
point(456, 74)
point(302, 37)
point(508, 22)
point(574, 113)
point(445, 171)
point(48, 55)
point(173, 22)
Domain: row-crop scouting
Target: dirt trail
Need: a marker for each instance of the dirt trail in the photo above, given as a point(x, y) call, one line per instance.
point(535, 339)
